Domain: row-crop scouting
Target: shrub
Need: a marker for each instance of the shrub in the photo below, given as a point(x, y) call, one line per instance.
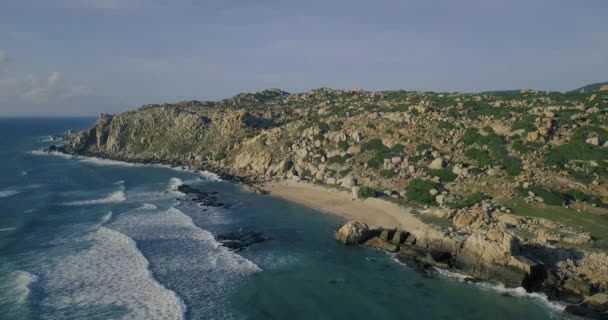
point(519, 146)
point(470, 200)
point(482, 157)
point(324, 127)
point(343, 145)
point(374, 144)
point(397, 149)
point(418, 190)
point(366, 192)
point(470, 136)
point(526, 123)
point(220, 155)
point(445, 174)
point(344, 173)
point(336, 125)
point(375, 162)
point(337, 159)
point(513, 166)
point(387, 174)
point(318, 136)
point(445, 125)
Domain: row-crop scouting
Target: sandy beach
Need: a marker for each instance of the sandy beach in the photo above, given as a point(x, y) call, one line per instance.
point(374, 212)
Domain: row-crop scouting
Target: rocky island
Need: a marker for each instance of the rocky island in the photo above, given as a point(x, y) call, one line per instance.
point(505, 186)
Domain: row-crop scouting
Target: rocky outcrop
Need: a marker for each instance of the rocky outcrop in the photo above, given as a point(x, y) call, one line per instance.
point(353, 233)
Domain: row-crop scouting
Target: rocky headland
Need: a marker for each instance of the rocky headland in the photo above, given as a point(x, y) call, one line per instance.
point(507, 186)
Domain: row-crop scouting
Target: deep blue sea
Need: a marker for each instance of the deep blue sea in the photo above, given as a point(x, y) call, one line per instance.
point(84, 238)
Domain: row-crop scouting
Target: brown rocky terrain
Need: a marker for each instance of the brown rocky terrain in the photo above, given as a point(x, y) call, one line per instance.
point(512, 185)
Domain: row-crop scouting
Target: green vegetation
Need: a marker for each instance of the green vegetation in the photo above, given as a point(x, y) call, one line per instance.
point(336, 125)
point(366, 192)
point(445, 125)
point(596, 224)
point(343, 145)
point(344, 173)
point(419, 190)
point(496, 152)
point(380, 152)
point(470, 200)
point(445, 174)
point(387, 174)
point(577, 149)
point(526, 123)
point(220, 155)
point(338, 159)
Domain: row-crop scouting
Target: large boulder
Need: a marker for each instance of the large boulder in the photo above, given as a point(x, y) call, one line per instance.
point(486, 255)
point(435, 239)
point(353, 233)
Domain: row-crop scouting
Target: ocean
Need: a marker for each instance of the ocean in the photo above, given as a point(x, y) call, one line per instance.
point(85, 238)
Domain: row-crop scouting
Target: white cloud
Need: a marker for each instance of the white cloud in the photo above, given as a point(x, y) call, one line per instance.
point(39, 90)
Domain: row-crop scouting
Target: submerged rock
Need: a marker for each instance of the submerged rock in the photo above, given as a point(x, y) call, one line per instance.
point(240, 240)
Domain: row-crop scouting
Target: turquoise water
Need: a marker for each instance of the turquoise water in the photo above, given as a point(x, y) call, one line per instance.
point(96, 239)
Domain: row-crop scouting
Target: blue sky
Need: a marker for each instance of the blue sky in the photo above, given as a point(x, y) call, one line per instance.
point(83, 57)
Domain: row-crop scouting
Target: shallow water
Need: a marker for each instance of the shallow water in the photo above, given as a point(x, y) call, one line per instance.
point(99, 239)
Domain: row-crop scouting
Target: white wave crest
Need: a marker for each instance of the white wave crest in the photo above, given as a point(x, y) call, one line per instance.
point(7, 229)
point(111, 272)
point(8, 193)
point(175, 183)
point(106, 217)
point(148, 206)
point(515, 292)
point(196, 258)
point(107, 162)
point(18, 286)
point(114, 197)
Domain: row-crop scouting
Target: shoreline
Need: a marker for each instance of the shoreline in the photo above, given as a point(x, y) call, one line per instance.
point(375, 212)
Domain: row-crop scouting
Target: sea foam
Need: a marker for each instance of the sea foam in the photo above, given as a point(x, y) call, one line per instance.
point(499, 287)
point(8, 193)
point(110, 272)
point(114, 197)
point(195, 258)
point(107, 162)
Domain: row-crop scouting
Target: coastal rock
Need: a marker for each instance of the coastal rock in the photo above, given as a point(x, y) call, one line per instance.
point(435, 239)
point(352, 233)
point(487, 256)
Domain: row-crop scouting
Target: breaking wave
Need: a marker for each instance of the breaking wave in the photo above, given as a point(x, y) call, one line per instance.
point(107, 162)
point(515, 292)
point(114, 197)
point(198, 259)
point(8, 193)
point(110, 272)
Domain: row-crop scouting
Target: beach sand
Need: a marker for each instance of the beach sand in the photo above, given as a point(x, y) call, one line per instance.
point(374, 212)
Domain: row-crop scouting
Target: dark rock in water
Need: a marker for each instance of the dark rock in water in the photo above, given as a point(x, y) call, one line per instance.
point(589, 309)
point(208, 199)
point(240, 240)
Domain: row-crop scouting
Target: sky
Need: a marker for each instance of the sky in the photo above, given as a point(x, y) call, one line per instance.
point(85, 57)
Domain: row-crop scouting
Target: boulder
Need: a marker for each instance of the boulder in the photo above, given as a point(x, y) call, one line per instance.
point(353, 150)
point(352, 233)
point(438, 163)
point(435, 239)
point(382, 244)
point(486, 255)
